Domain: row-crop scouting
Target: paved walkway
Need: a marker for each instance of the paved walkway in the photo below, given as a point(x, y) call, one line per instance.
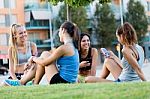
point(146, 70)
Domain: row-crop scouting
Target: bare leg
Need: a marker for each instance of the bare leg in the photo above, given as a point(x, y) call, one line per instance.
point(93, 79)
point(110, 66)
point(29, 75)
point(40, 71)
point(113, 67)
point(105, 72)
point(50, 70)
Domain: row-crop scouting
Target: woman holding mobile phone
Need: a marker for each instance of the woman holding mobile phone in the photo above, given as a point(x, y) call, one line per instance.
point(129, 68)
point(88, 57)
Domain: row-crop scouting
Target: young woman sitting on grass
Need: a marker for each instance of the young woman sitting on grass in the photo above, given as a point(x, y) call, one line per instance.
point(60, 66)
point(20, 50)
point(88, 58)
point(129, 69)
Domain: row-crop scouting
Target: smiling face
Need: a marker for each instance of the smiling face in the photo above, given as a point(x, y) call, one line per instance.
point(21, 34)
point(85, 42)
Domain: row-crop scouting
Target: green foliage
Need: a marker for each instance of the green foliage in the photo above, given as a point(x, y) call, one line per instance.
point(77, 3)
point(128, 90)
point(74, 3)
point(106, 25)
point(136, 16)
point(78, 16)
point(104, 1)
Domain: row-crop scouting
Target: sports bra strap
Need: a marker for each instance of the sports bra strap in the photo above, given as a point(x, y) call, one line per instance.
point(137, 56)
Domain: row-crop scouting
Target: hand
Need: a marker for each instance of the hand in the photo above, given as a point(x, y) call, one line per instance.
point(27, 66)
point(30, 60)
point(111, 55)
point(84, 64)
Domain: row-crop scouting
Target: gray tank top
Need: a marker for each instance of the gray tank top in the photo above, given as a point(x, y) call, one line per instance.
point(128, 73)
point(23, 57)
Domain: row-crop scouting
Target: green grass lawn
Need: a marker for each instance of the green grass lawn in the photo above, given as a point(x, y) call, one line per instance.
point(79, 91)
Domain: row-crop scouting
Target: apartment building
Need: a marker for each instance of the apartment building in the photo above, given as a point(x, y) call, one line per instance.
point(37, 20)
point(11, 11)
point(34, 14)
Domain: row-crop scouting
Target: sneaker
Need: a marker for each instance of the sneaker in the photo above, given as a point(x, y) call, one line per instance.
point(29, 83)
point(11, 82)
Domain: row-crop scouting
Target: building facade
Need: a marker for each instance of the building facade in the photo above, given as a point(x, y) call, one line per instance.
point(37, 22)
point(34, 14)
point(11, 11)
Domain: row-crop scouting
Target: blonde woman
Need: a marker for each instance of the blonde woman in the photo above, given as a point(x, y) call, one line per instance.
point(20, 50)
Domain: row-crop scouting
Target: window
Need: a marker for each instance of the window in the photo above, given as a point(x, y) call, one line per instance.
point(7, 19)
point(148, 6)
point(11, 3)
point(2, 4)
point(10, 19)
point(4, 39)
point(14, 19)
point(2, 20)
point(33, 36)
point(149, 20)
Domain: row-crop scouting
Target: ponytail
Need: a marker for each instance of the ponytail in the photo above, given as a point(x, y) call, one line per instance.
point(73, 31)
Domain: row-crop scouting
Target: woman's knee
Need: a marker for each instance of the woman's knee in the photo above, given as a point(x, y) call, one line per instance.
point(108, 61)
point(45, 54)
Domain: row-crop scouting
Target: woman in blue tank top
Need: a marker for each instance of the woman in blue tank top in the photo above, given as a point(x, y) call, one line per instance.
point(129, 68)
point(62, 64)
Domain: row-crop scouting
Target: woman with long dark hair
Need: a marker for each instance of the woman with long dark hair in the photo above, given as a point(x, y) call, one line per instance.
point(88, 57)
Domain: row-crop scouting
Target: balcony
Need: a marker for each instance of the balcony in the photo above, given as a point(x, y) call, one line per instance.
point(41, 44)
point(37, 24)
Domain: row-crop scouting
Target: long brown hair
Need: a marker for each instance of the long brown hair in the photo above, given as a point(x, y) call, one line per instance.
point(128, 33)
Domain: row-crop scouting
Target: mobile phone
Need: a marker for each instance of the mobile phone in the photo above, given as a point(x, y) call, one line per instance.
point(105, 52)
point(87, 62)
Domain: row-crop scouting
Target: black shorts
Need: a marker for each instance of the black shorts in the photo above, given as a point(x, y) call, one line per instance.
point(18, 75)
point(56, 79)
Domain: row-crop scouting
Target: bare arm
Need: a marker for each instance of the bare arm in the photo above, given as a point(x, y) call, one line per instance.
point(34, 49)
point(94, 61)
point(133, 62)
point(11, 64)
point(60, 51)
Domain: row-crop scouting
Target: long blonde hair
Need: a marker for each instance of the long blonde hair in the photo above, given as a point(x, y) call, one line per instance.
point(13, 42)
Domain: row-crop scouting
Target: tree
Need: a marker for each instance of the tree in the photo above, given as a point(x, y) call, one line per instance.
point(77, 3)
point(105, 25)
point(136, 16)
point(78, 14)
